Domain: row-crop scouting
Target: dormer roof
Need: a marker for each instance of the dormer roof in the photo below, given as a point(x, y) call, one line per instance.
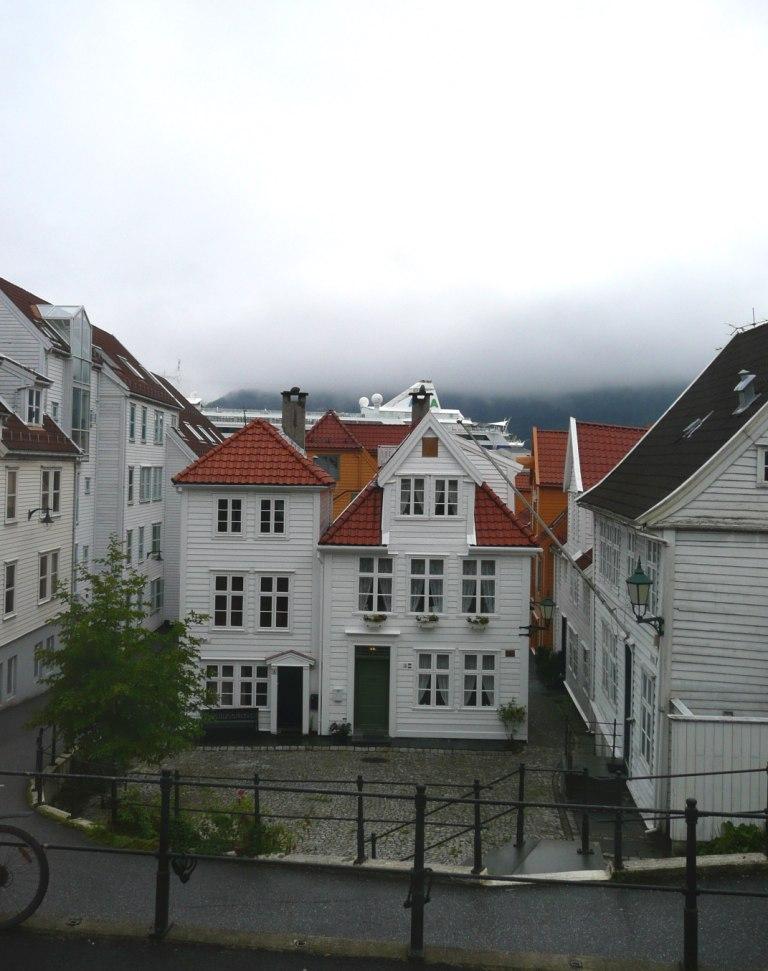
point(46, 439)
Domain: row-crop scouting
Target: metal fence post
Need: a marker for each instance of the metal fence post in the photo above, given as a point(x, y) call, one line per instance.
point(585, 848)
point(39, 757)
point(416, 949)
point(691, 913)
point(53, 744)
point(520, 827)
point(766, 809)
point(478, 843)
point(256, 801)
point(360, 823)
point(113, 803)
point(613, 747)
point(176, 794)
point(163, 880)
point(618, 850)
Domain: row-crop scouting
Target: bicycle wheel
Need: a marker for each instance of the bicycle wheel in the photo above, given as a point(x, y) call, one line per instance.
point(23, 876)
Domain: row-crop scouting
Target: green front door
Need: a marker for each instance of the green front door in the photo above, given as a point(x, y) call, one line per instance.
point(371, 691)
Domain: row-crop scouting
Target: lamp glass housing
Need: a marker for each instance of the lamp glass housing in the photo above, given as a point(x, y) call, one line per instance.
point(639, 588)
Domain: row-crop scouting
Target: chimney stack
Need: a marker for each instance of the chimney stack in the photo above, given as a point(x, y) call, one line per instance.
point(295, 415)
point(420, 401)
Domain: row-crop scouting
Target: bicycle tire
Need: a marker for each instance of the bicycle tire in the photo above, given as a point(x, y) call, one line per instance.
point(42, 886)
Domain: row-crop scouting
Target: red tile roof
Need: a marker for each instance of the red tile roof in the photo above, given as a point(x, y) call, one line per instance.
point(330, 432)
point(360, 523)
point(144, 387)
point(602, 447)
point(549, 448)
point(47, 439)
point(495, 523)
point(523, 480)
point(585, 560)
point(371, 434)
point(27, 303)
point(190, 416)
point(257, 454)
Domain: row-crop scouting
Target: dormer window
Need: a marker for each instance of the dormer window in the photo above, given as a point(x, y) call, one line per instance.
point(34, 405)
point(745, 390)
point(412, 496)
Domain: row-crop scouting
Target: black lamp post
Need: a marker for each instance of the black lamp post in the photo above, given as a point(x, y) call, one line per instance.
point(546, 607)
point(46, 520)
point(639, 588)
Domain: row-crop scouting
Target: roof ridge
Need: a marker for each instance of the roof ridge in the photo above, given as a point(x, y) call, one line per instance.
point(332, 417)
point(605, 424)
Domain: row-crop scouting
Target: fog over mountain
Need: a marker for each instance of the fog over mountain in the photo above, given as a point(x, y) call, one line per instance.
point(619, 406)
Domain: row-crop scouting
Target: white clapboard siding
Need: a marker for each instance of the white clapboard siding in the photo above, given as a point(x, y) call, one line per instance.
point(178, 456)
point(720, 657)
point(709, 744)
point(19, 338)
point(736, 493)
point(110, 462)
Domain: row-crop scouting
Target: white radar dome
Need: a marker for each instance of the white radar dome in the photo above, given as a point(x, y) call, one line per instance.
point(363, 402)
point(377, 399)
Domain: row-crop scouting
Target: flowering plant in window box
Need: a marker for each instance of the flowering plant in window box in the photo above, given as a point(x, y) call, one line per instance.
point(478, 623)
point(340, 731)
point(427, 621)
point(374, 620)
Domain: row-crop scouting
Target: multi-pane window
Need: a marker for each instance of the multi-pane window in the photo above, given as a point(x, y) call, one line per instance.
point(229, 516)
point(143, 424)
point(610, 679)
point(572, 650)
point(631, 561)
point(575, 584)
point(85, 556)
point(156, 595)
point(374, 585)
point(242, 685)
point(132, 422)
point(157, 483)
point(140, 558)
point(145, 483)
point(9, 588)
point(130, 484)
point(11, 676)
point(446, 497)
point(647, 705)
point(653, 569)
point(609, 552)
point(48, 575)
point(156, 536)
point(272, 516)
point(34, 406)
point(11, 487)
point(159, 420)
point(129, 546)
point(434, 680)
point(586, 667)
point(50, 490)
point(87, 485)
point(39, 666)
point(228, 599)
point(412, 496)
point(55, 411)
point(479, 680)
point(426, 586)
point(274, 601)
point(478, 587)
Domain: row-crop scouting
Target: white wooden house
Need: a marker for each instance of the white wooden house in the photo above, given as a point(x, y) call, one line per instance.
point(408, 567)
point(690, 500)
point(252, 511)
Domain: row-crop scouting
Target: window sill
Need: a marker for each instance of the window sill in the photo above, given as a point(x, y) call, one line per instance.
point(11, 616)
point(273, 630)
point(433, 708)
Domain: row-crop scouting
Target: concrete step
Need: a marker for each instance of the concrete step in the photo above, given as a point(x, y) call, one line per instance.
point(550, 856)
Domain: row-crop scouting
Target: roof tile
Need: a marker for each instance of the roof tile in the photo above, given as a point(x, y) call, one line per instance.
point(495, 523)
point(360, 523)
point(330, 432)
point(602, 447)
point(549, 448)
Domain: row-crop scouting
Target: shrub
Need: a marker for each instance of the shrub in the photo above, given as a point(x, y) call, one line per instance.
point(744, 838)
point(512, 717)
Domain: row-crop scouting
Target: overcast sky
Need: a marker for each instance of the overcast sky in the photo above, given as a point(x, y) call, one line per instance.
point(505, 196)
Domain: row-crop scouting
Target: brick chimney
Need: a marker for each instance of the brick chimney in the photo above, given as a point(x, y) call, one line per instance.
point(420, 401)
point(295, 415)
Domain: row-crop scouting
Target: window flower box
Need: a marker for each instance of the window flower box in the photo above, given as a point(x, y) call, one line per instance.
point(374, 621)
point(427, 621)
point(478, 623)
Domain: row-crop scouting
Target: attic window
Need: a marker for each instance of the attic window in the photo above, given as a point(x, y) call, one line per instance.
point(745, 390)
point(195, 432)
point(694, 426)
point(429, 447)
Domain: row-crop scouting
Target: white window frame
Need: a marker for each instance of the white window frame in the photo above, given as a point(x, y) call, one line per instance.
point(144, 422)
point(431, 580)
point(609, 552)
point(281, 585)
point(406, 497)
point(11, 586)
point(86, 485)
point(476, 580)
point(132, 422)
point(449, 489)
point(39, 667)
point(12, 676)
point(269, 515)
point(129, 547)
point(50, 490)
point(157, 483)
point(228, 512)
point(156, 595)
point(378, 577)
point(653, 554)
point(572, 650)
point(610, 659)
point(145, 483)
point(48, 578)
point(159, 427)
point(433, 670)
point(140, 548)
point(157, 539)
point(228, 594)
point(483, 673)
point(257, 681)
point(34, 409)
point(131, 484)
point(55, 411)
point(647, 715)
point(11, 495)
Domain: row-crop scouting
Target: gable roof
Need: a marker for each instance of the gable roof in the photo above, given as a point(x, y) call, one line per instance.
point(665, 457)
point(122, 362)
point(360, 523)
point(27, 303)
point(192, 422)
point(429, 424)
point(257, 454)
point(548, 446)
point(330, 432)
point(495, 523)
point(47, 439)
point(602, 447)
point(372, 434)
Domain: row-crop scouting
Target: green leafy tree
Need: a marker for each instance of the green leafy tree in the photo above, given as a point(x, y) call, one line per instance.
point(119, 692)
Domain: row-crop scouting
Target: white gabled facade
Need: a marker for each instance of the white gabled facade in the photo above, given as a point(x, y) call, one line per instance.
point(389, 554)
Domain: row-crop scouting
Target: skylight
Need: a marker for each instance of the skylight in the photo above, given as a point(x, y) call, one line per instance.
point(745, 390)
point(132, 367)
point(694, 426)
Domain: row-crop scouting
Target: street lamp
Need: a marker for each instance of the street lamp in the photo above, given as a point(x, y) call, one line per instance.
point(639, 589)
point(46, 519)
point(546, 608)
